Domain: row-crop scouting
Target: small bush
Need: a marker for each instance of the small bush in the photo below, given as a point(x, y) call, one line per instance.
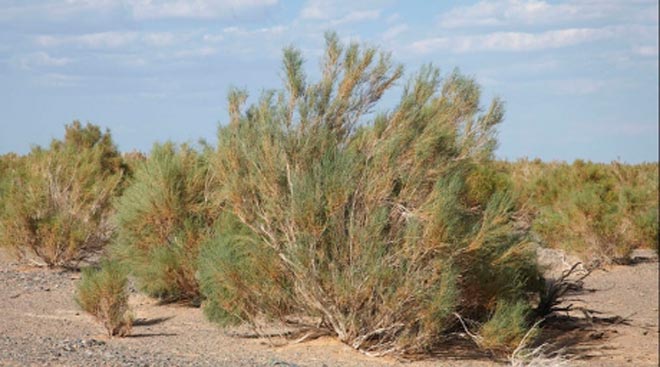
point(102, 293)
point(163, 216)
point(57, 205)
point(383, 225)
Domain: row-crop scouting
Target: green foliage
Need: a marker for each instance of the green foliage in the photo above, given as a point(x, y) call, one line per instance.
point(57, 201)
point(602, 210)
point(383, 225)
point(133, 159)
point(240, 279)
point(163, 217)
point(102, 292)
point(9, 166)
point(505, 330)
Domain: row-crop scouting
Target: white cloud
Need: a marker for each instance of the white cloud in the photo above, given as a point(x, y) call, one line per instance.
point(150, 9)
point(357, 16)
point(393, 18)
point(526, 70)
point(266, 31)
point(129, 60)
point(89, 3)
point(573, 86)
point(41, 59)
point(577, 86)
point(54, 10)
point(502, 12)
point(112, 40)
point(138, 9)
point(160, 39)
point(513, 41)
point(317, 9)
point(394, 31)
point(195, 52)
point(213, 38)
point(263, 42)
point(649, 50)
point(57, 80)
point(91, 40)
point(534, 12)
point(631, 128)
point(341, 11)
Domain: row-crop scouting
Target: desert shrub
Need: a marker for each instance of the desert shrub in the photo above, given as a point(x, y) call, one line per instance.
point(591, 209)
point(163, 217)
point(57, 204)
point(385, 224)
point(102, 292)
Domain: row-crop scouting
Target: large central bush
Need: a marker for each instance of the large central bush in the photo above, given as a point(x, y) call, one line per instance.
point(385, 225)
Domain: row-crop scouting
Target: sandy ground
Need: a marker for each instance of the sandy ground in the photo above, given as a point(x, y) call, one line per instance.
point(629, 292)
point(40, 324)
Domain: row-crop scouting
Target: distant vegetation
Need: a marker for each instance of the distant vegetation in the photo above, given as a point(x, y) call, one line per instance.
point(383, 229)
point(594, 210)
point(57, 201)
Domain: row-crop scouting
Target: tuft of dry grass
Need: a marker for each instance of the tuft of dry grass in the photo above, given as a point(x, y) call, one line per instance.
point(537, 357)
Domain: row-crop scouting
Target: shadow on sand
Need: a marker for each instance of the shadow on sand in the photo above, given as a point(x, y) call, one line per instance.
point(151, 322)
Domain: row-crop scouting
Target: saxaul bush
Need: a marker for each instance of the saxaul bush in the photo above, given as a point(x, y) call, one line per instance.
point(163, 216)
point(376, 227)
point(57, 201)
point(103, 293)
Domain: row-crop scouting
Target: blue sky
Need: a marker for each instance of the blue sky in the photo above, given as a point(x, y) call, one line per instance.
point(579, 77)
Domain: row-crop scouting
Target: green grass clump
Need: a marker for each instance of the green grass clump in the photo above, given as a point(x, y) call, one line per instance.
point(56, 201)
point(383, 224)
point(505, 330)
point(103, 293)
point(591, 209)
point(163, 216)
